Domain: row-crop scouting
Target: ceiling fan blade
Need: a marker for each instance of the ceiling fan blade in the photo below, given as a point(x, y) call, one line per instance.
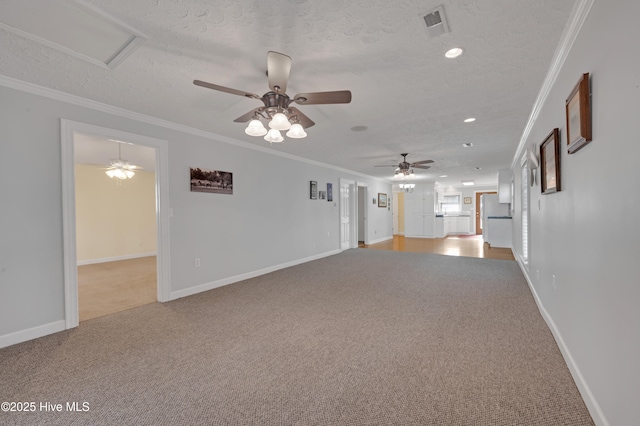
point(248, 116)
point(387, 165)
point(315, 98)
point(225, 89)
point(420, 167)
point(422, 162)
point(278, 68)
point(304, 121)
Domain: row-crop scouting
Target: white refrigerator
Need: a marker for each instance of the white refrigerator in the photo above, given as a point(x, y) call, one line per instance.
point(489, 206)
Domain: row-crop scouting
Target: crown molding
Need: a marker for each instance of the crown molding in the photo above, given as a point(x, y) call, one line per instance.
point(578, 16)
point(57, 95)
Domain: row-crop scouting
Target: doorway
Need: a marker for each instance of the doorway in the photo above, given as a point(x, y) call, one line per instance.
point(348, 214)
point(478, 210)
point(116, 242)
point(362, 214)
point(69, 131)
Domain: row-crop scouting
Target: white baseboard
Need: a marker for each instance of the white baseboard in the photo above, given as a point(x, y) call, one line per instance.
point(588, 397)
point(31, 333)
point(115, 258)
point(379, 240)
point(230, 280)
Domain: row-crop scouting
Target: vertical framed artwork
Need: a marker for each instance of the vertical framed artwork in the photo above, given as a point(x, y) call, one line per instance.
point(578, 110)
point(329, 192)
point(550, 163)
point(313, 190)
point(382, 200)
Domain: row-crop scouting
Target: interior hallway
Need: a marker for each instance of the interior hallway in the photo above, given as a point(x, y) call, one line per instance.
point(453, 245)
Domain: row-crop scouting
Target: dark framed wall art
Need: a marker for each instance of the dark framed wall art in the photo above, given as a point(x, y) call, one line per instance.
point(578, 110)
point(313, 190)
point(550, 162)
point(382, 200)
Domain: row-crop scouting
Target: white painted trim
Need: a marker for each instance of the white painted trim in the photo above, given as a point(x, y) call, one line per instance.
point(23, 86)
point(578, 16)
point(115, 258)
point(230, 280)
point(589, 399)
point(31, 333)
point(68, 129)
point(137, 40)
point(379, 240)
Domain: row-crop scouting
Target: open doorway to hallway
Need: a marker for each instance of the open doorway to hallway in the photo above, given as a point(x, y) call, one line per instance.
point(116, 241)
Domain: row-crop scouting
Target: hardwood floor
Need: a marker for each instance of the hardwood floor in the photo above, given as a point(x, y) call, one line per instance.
point(106, 288)
point(466, 245)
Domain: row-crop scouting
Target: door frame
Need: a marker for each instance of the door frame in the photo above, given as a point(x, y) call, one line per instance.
point(361, 186)
point(68, 129)
point(352, 209)
point(477, 211)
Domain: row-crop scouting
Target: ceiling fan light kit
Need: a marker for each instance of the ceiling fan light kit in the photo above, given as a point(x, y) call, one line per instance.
point(296, 131)
point(255, 128)
point(120, 168)
point(274, 135)
point(277, 107)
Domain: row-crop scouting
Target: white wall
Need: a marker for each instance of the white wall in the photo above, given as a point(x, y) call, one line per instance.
point(587, 235)
point(268, 222)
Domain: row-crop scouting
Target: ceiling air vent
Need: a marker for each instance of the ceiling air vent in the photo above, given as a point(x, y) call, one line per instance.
point(436, 22)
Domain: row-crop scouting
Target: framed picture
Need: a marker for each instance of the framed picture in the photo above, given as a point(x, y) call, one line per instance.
point(578, 108)
point(329, 192)
point(382, 200)
point(550, 163)
point(322, 195)
point(467, 200)
point(313, 190)
point(211, 181)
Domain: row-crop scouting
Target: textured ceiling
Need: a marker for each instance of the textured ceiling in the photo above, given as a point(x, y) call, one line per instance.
point(407, 94)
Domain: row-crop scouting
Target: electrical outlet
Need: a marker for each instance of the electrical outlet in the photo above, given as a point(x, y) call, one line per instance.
point(197, 262)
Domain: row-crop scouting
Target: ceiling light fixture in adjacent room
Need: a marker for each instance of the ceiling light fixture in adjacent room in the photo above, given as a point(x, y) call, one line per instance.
point(469, 120)
point(408, 187)
point(120, 168)
point(468, 182)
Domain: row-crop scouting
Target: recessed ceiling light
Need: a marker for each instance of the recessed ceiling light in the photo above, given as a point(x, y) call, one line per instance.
point(443, 176)
point(468, 182)
point(467, 145)
point(469, 120)
point(453, 53)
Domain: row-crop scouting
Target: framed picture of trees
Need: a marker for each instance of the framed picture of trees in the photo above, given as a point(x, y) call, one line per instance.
point(213, 181)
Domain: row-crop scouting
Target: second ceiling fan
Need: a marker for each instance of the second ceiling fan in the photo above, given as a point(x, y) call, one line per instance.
point(405, 168)
point(277, 104)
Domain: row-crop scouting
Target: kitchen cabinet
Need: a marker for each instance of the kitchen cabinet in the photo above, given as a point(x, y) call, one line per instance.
point(419, 213)
point(457, 225)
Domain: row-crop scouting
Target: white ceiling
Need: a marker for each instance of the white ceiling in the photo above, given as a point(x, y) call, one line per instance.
point(407, 94)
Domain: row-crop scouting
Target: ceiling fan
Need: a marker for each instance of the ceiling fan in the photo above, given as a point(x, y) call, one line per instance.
point(120, 168)
point(277, 103)
point(405, 168)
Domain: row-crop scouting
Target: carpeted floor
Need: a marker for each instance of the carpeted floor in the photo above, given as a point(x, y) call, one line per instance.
point(365, 337)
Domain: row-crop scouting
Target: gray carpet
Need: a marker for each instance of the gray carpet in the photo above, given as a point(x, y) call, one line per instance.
point(366, 337)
